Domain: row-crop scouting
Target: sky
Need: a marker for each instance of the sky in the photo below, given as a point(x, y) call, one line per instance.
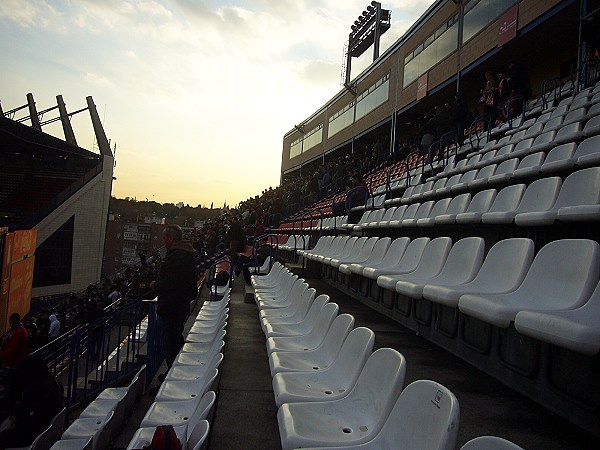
point(196, 95)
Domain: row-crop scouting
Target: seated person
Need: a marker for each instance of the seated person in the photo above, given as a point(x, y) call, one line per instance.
point(37, 398)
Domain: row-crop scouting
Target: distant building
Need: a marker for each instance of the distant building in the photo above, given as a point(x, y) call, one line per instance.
point(154, 219)
point(127, 242)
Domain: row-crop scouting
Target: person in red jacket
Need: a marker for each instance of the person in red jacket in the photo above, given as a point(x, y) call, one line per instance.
point(13, 344)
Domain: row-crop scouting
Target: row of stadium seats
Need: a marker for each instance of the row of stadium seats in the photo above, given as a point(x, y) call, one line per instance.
point(184, 399)
point(323, 368)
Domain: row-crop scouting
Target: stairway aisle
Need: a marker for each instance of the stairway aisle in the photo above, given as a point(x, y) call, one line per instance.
point(245, 415)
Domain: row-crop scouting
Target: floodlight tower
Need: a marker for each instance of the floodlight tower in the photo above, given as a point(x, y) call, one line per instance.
point(366, 31)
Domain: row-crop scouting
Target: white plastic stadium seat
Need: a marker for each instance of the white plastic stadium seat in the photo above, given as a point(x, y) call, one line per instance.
point(178, 413)
point(332, 382)
point(290, 327)
point(577, 329)
point(341, 422)
point(562, 276)
point(490, 443)
point(426, 416)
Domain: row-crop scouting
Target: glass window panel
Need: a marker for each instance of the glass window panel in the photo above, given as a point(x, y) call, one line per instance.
point(447, 42)
point(476, 19)
point(411, 72)
point(428, 59)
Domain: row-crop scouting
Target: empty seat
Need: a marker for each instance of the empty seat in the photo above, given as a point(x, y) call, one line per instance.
point(314, 359)
point(504, 171)
point(375, 257)
point(588, 152)
point(177, 390)
point(457, 205)
point(425, 416)
point(559, 158)
point(503, 270)
point(539, 196)
point(577, 329)
point(562, 276)
point(479, 204)
point(431, 263)
point(578, 200)
point(394, 255)
point(481, 180)
point(363, 255)
point(332, 382)
point(529, 166)
point(292, 326)
point(340, 422)
point(490, 443)
point(462, 264)
point(178, 413)
point(307, 341)
point(439, 208)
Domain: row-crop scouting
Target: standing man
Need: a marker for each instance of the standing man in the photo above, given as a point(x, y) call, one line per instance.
point(176, 287)
point(13, 343)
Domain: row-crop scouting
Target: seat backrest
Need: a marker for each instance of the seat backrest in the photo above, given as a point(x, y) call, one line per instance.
point(592, 126)
point(315, 308)
point(355, 351)
point(468, 176)
point(544, 138)
point(379, 249)
point(433, 258)
point(57, 426)
point(563, 274)
point(426, 415)
point(473, 160)
point(523, 145)
point(580, 188)
point(481, 201)
point(440, 207)
point(507, 166)
point(42, 441)
point(319, 330)
point(490, 443)
point(531, 160)
point(439, 183)
point(560, 152)
point(378, 386)
point(506, 264)
point(424, 209)
point(519, 135)
point(367, 249)
point(459, 204)
point(377, 215)
point(399, 212)
point(203, 408)
point(389, 213)
point(410, 212)
point(339, 329)
point(540, 195)
point(198, 435)
point(411, 257)
point(454, 179)
point(587, 147)
point(505, 150)
point(508, 198)
point(464, 259)
point(301, 305)
point(486, 172)
point(395, 251)
point(103, 435)
point(353, 247)
point(487, 156)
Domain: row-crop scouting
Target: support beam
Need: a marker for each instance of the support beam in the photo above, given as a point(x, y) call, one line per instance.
point(103, 144)
point(65, 120)
point(33, 115)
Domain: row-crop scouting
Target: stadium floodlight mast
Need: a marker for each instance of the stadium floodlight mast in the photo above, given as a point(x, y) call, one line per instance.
point(366, 31)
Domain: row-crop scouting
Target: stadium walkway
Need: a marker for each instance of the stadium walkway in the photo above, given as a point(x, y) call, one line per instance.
point(245, 412)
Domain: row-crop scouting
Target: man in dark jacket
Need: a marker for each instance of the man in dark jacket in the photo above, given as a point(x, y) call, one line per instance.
point(176, 287)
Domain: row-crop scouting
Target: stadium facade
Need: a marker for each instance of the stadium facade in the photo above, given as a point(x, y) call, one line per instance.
point(58, 188)
point(448, 48)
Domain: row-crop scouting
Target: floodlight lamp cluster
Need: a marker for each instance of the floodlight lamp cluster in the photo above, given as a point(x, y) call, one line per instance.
point(366, 16)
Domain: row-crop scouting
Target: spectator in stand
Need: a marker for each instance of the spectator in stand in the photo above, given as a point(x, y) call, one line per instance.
point(236, 237)
point(519, 83)
point(459, 117)
point(358, 192)
point(13, 344)
point(427, 133)
point(35, 398)
point(489, 98)
point(176, 287)
point(54, 331)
